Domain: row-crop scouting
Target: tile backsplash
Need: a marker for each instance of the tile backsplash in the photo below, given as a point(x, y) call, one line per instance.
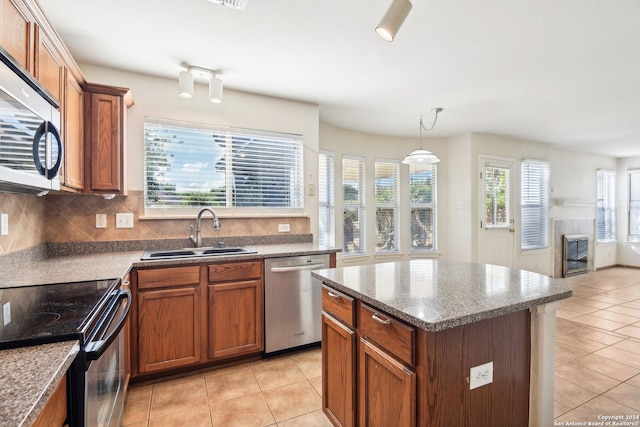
point(59, 218)
point(26, 221)
point(73, 218)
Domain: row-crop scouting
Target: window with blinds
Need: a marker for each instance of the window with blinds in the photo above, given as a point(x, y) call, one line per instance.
point(422, 200)
point(386, 199)
point(634, 206)
point(326, 200)
point(534, 205)
point(353, 205)
point(606, 206)
point(192, 165)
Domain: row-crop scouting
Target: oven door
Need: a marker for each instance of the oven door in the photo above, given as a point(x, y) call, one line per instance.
point(104, 380)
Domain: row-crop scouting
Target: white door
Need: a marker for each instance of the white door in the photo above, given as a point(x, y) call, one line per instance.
point(496, 237)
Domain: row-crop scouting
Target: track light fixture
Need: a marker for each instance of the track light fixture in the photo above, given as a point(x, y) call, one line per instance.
point(393, 19)
point(422, 156)
point(185, 82)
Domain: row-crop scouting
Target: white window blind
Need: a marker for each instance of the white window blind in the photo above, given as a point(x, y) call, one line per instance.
point(422, 199)
point(386, 199)
point(534, 206)
point(634, 206)
point(326, 200)
point(353, 205)
point(190, 165)
point(606, 206)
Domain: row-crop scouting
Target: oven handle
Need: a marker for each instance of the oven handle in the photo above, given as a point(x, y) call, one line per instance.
point(95, 349)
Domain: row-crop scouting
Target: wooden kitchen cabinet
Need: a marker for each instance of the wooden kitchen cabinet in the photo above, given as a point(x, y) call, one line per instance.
point(338, 372)
point(48, 64)
point(105, 113)
point(54, 412)
point(387, 389)
point(236, 309)
point(17, 32)
point(73, 167)
point(168, 319)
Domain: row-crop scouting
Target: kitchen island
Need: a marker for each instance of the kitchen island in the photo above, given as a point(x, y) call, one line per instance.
point(438, 343)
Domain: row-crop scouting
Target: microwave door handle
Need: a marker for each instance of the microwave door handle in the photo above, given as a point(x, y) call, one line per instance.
point(95, 348)
point(40, 132)
point(51, 129)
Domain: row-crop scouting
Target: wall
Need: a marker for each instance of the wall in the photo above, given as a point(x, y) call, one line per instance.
point(371, 147)
point(628, 253)
point(72, 217)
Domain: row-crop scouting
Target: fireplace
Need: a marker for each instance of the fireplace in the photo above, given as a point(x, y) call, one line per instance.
point(575, 254)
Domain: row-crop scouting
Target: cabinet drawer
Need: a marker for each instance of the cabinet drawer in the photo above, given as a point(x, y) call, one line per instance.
point(391, 334)
point(174, 276)
point(225, 272)
point(338, 305)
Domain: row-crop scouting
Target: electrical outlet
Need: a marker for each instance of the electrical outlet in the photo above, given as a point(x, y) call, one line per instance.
point(101, 220)
point(284, 228)
point(481, 375)
point(4, 224)
point(124, 220)
point(6, 313)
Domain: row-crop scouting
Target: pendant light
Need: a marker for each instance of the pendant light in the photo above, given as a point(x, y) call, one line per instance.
point(215, 90)
point(186, 78)
point(393, 19)
point(185, 84)
point(422, 156)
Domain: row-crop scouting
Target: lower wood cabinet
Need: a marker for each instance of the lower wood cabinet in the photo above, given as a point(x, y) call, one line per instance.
point(386, 387)
point(168, 329)
point(338, 372)
point(54, 412)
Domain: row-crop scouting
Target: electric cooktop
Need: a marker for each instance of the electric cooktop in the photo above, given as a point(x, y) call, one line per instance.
point(43, 314)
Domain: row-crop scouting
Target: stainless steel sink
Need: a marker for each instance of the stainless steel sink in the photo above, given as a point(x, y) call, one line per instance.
point(195, 252)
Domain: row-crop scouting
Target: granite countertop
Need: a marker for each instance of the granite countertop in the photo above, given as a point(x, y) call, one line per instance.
point(29, 376)
point(436, 295)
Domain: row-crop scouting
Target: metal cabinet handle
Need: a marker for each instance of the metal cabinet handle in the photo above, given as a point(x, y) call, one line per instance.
point(380, 319)
point(333, 295)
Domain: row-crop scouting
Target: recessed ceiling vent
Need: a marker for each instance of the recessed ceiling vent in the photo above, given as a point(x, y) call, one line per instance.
point(234, 4)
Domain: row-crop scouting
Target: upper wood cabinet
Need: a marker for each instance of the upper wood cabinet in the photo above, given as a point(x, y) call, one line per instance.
point(17, 31)
point(105, 112)
point(73, 130)
point(48, 65)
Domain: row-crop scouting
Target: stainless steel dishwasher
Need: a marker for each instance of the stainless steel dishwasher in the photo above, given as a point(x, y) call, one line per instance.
point(292, 301)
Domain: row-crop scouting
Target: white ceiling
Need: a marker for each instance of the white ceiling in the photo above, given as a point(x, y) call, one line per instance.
point(562, 72)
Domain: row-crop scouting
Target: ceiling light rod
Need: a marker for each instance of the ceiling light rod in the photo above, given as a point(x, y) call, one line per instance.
point(422, 156)
point(201, 71)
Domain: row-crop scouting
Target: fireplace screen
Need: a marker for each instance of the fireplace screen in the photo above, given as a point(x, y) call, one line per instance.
point(575, 254)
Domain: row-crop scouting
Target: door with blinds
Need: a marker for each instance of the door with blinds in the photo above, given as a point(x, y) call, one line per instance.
point(496, 236)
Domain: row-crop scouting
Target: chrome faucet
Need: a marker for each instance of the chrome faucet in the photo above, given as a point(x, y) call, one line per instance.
point(197, 239)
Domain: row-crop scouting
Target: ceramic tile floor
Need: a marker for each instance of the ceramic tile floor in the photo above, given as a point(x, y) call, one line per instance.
point(597, 371)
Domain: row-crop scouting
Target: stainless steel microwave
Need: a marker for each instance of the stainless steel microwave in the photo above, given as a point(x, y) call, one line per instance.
point(30, 143)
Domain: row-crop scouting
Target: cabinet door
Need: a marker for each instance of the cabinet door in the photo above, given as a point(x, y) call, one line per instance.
point(338, 372)
point(49, 67)
point(105, 142)
point(73, 135)
point(16, 32)
point(387, 389)
point(168, 329)
point(236, 316)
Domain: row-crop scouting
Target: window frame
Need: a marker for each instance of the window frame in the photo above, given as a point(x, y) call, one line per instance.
point(633, 205)
point(541, 202)
point(433, 205)
point(508, 194)
point(229, 135)
point(359, 207)
point(393, 205)
point(606, 200)
point(326, 204)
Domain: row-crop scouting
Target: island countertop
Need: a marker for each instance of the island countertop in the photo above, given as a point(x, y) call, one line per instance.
point(435, 295)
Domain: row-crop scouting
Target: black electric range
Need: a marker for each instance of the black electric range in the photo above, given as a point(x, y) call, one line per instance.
point(40, 314)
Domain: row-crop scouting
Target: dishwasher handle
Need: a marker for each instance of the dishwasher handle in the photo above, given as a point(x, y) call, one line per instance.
point(297, 267)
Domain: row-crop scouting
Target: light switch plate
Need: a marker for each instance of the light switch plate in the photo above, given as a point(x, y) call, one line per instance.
point(4, 224)
point(6, 313)
point(124, 220)
point(481, 375)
